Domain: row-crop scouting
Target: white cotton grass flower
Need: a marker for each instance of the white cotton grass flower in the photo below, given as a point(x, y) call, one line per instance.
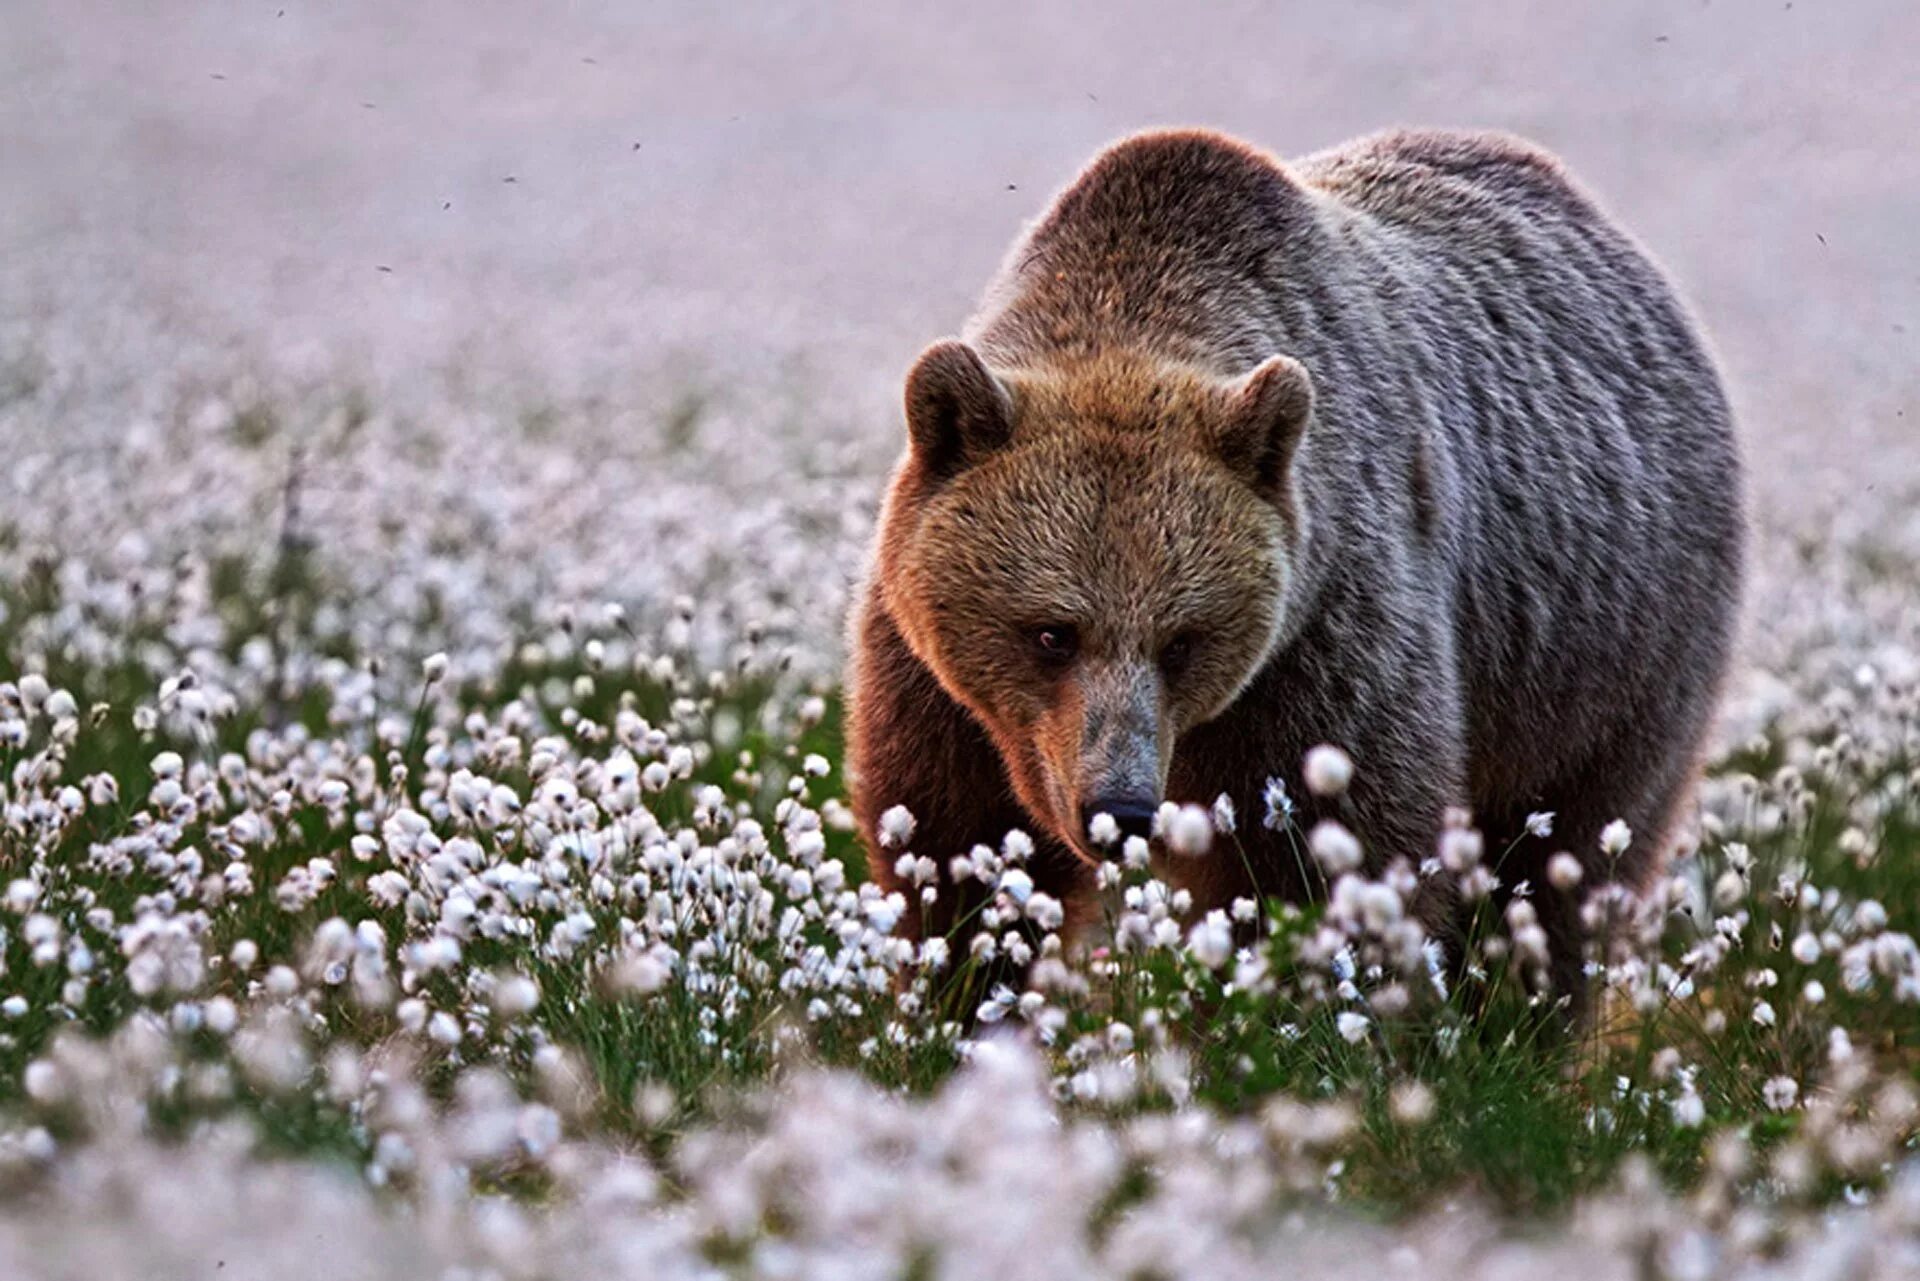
point(642, 973)
point(1226, 818)
point(1688, 1109)
point(896, 827)
point(1411, 1103)
point(1328, 771)
point(1045, 911)
point(1335, 848)
point(1564, 871)
point(34, 691)
point(1461, 849)
point(1103, 830)
point(1210, 942)
point(44, 1083)
point(434, 668)
point(1186, 829)
point(515, 996)
point(1781, 1093)
point(1615, 837)
point(22, 894)
point(1016, 846)
point(680, 761)
point(1352, 1026)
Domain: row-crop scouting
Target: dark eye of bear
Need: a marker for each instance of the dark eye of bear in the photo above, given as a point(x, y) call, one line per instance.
point(1177, 655)
point(1056, 642)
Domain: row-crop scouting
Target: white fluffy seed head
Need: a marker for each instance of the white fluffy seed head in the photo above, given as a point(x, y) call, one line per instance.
point(1103, 830)
point(1328, 771)
point(1336, 849)
point(1460, 849)
point(1211, 941)
point(1563, 871)
point(1226, 817)
point(1188, 831)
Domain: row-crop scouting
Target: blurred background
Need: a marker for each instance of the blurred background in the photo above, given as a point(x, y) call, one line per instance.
point(649, 222)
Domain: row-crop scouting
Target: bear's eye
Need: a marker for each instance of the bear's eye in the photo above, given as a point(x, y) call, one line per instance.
point(1178, 653)
point(1056, 642)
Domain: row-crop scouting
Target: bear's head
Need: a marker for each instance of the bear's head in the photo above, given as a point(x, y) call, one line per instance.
point(1093, 557)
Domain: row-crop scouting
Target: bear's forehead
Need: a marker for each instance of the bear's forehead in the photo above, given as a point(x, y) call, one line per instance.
point(1113, 394)
point(1115, 528)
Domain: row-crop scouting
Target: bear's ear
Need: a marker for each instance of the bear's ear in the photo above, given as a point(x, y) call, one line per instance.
point(1266, 414)
point(957, 411)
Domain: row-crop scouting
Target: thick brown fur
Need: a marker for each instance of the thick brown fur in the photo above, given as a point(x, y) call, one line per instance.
point(1404, 446)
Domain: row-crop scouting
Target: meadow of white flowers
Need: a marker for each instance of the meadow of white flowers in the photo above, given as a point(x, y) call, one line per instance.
point(435, 445)
point(423, 836)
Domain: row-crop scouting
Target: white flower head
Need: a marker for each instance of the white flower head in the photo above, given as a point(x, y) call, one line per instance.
point(1336, 849)
point(1225, 817)
point(1211, 940)
point(1460, 849)
point(1188, 831)
point(1328, 770)
point(1045, 911)
point(896, 828)
point(1103, 830)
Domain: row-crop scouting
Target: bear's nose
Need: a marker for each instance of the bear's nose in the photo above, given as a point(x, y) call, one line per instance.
point(1133, 815)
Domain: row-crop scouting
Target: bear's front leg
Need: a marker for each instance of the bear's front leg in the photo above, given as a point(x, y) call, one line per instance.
point(1398, 725)
point(910, 744)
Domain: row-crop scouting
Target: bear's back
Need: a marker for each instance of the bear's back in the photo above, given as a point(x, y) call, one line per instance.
point(1577, 436)
point(1165, 242)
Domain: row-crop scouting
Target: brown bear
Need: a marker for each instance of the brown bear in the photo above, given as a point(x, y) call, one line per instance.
point(1405, 446)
